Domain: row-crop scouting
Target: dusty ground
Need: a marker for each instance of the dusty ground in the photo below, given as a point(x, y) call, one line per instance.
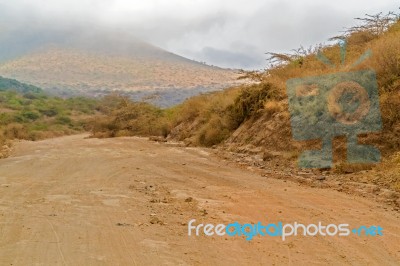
point(126, 201)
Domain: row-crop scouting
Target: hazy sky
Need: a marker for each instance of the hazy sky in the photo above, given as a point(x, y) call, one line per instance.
point(235, 33)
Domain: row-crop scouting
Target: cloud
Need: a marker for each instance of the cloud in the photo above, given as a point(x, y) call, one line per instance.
point(220, 32)
point(229, 59)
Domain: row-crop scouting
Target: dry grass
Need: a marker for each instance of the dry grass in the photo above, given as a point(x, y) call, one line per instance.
point(204, 119)
point(385, 61)
point(260, 109)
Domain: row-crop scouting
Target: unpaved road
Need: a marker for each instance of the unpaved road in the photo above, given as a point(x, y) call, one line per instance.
point(77, 201)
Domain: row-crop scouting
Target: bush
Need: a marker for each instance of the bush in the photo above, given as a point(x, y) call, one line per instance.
point(15, 131)
point(212, 133)
point(386, 62)
point(64, 120)
point(123, 117)
point(30, 115)
point(250, 101)
point(50, 112)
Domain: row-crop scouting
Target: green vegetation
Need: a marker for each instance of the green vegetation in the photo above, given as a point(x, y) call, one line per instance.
point(26, 112)
point(12, 84)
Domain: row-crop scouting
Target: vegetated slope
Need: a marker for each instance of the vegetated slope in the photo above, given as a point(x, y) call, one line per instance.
point(26, 112)
point(261, 110)
point(96, 65)
point(271, 127)
point(263, 113)
point(15, 85)
point(256, 119)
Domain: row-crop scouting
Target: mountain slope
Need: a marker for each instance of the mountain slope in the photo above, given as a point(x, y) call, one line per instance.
point(77, 69)
point(15, 85)
point(95, 64)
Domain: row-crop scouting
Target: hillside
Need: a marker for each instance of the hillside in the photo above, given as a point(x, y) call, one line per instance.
point(15, 85)
point(26, 112)
point(255, 120)
point(96, 65)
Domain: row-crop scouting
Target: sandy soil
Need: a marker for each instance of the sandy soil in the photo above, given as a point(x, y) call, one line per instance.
point(127, 201)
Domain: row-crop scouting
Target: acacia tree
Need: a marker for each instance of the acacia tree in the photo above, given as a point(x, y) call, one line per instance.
point(376, 24)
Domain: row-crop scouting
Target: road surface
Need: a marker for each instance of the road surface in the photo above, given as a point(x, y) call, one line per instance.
point(127, 201)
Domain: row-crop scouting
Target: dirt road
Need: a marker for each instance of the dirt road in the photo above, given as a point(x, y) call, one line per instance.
point(127, 201)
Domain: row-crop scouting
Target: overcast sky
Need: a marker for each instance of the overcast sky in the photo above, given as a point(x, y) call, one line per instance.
point(226, 33)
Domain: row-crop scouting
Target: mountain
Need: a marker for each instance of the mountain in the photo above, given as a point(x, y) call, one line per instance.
point(95, 64)
point(14, 85)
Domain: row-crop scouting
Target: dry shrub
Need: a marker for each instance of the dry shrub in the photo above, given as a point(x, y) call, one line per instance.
point(204, 120)
point(203, 106)
point(386, 62)
point(360, 38)
point(15, 131)
point(191, 108)
point(210, 119)
point(250, 101)
point(103, 126)
point(390, 105)
point(213, 132)
point(272, 107)
point(123, 117)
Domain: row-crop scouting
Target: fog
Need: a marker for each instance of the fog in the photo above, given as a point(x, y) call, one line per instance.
point(234, 34)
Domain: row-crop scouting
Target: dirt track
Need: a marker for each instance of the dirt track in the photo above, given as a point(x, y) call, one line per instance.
point(126, 201)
